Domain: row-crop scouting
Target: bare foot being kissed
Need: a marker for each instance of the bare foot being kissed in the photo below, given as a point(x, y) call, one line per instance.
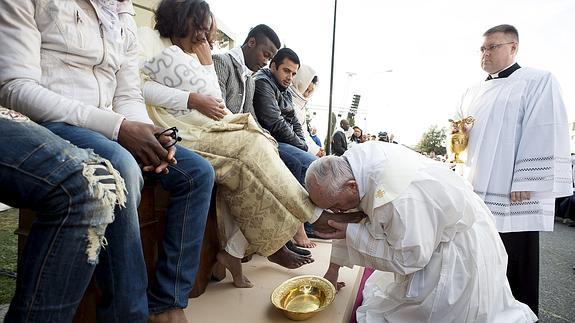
point(301, 239)
point(288, 259)
point(234, 265)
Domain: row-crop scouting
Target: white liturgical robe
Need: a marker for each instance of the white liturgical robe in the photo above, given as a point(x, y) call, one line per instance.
point(425, 224)
point(519, 142)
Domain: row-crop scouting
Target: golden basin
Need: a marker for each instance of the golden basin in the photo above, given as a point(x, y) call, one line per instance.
point(301, 297)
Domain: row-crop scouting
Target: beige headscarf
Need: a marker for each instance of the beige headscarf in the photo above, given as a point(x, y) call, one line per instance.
point(299, 84)
point(303, 78)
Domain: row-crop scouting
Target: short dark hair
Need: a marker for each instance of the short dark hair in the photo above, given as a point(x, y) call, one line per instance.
point(262, 31)
point(284, 53)
point(173, 18)
point(506, 29)
point(314, 79)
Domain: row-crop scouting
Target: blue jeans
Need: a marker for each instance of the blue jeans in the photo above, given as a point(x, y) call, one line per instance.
point(64, 185)
point(296, 160)
point(122, 272)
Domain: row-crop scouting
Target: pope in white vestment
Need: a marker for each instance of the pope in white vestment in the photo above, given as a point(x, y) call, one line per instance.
point(425, 224)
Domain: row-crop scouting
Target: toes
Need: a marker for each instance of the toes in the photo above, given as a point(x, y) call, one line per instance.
point(306, 244)
point(305, 261)
point(242, 282)
point(245, 283)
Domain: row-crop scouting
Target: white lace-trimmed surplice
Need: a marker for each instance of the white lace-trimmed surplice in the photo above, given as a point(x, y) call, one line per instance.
point(519, 142)
point(427, 226)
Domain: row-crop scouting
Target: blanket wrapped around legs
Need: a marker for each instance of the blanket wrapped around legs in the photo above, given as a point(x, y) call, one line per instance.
point(254, 187)
point(253, 184)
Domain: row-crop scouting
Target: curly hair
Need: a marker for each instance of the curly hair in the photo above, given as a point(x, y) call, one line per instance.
point(175, 18)
point(262, 31)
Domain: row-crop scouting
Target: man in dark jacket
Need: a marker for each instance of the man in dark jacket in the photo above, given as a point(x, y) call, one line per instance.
point(275, 112)
point(273, 104)
point(274, 109)
point(339, 138)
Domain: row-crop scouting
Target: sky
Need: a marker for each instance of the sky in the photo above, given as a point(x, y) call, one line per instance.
point(410, 60)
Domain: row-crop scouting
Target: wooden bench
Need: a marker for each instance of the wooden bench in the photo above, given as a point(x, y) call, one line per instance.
point(151, 214)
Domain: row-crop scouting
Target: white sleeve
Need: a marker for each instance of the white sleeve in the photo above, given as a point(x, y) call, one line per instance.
point(20, 75)
point(340, 253)
point(542, 163)
point(159, 95)
point(410, 238)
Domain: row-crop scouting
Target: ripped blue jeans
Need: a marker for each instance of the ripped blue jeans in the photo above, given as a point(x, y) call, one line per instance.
point(121, 273)
point(74, 192)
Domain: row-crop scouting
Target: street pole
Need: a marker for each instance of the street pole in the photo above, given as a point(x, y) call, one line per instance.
point(329, 125)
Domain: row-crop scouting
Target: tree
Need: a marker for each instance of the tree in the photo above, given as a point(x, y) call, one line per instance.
point(327, 141)
point(433, 140)
point(351, 119)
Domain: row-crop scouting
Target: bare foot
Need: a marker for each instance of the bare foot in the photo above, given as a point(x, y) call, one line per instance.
point(234, 265)
point(320, 225)
point(288, 259)
point(174, 315)
point(218, 271)
point(301, 239)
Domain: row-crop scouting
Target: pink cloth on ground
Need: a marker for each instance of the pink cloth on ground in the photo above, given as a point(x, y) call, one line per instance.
point(359, 298)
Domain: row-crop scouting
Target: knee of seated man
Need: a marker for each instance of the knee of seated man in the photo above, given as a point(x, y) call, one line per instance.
point(194, 168)
point(98, 194)
point(129, 169)
point(208, 173)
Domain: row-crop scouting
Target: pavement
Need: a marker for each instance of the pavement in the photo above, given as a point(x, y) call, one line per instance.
point(557, 277)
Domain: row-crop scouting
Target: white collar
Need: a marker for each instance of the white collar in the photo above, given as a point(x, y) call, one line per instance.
point(238, 54)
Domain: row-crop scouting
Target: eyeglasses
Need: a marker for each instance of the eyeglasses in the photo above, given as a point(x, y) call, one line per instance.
point(493, 47)
point(172, 133)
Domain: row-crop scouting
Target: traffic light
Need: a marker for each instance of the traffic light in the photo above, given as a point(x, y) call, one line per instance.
point(354, 104)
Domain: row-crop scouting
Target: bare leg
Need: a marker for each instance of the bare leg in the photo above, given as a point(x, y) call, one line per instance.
point(174, 315)
point(332, 275)
point(285, 258)
point(301, 239)
point(234, 265)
